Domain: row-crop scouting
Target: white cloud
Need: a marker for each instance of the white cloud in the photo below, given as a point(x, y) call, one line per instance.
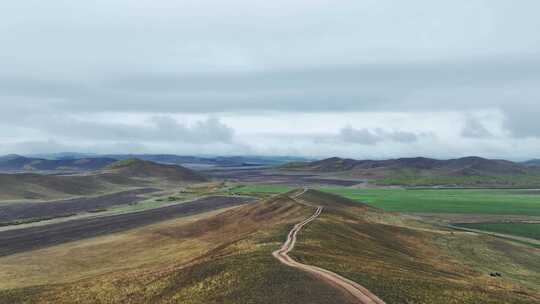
point(277, 77)
point(372, 137)
point(475, 129)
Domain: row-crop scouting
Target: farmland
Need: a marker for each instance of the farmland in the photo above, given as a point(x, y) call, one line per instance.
point(529, 230)
point(212, 242)
point(402, 263)
point(465, 201)
point(13, 241)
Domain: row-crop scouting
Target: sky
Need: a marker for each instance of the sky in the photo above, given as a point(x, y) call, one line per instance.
point(315, 78)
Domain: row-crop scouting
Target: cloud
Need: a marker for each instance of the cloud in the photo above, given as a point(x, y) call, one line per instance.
point(205, 131)
point(423, 86)
point(475, 129)
point(37, 146)
point(186, 59)
point(372, 137)
point(154, 129)
point(523, 122)
point(282, 60)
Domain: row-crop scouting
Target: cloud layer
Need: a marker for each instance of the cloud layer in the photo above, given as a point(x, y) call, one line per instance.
point(276, 77)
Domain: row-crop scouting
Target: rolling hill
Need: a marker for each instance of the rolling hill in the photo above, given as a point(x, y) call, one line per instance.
point(466, 171)
point(91, 162)
point(146, 169)
point(21, 163)
point(226, 257)
point(116, 176)
point(221, 161)
point(532, 163)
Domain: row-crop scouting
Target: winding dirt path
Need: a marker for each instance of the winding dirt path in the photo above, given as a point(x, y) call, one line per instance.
point(357, 291)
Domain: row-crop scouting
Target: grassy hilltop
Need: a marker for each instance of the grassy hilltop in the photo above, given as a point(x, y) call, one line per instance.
point(225, 257)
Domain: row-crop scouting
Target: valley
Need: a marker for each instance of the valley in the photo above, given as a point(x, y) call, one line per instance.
point(172, 234)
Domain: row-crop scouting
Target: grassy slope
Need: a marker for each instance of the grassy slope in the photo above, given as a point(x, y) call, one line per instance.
point(447, 201)
point(35, 186)
point(117, 176)
point(469, 172)
point(519, 229)
point(239, 267)
point(265, 189)
point(519, 202)
point(142, 168)
point(404, 265)
point(400, 260)
point(414, 178)
point(87, 258)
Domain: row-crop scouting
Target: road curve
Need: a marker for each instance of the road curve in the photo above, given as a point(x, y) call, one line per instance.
point(356, 290)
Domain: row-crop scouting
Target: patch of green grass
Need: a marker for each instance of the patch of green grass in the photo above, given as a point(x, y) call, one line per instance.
point(465, 201)
point(519, 229)
point(149, 204)
point(414, 178)
point(473, 201)
point(34, 219)
point(248, 273)
point(267, 189)
point(402, 265)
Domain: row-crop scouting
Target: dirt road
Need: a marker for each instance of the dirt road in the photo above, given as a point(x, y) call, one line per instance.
point(358, 292)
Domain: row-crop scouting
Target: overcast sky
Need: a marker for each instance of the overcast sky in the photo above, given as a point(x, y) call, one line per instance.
point(317, 78)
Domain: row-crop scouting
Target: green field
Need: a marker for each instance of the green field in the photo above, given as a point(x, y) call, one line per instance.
point(473, 201)
point(519, 229)
point(414, 178)
point(248, 189)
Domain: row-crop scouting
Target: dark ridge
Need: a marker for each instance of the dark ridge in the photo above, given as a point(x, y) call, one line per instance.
point(462, 166)
point(142, 168)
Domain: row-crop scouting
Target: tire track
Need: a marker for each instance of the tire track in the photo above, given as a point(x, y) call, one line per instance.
point(357, 291)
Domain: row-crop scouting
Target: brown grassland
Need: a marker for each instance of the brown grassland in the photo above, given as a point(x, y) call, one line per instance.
point(403, 261)
point(225, 257)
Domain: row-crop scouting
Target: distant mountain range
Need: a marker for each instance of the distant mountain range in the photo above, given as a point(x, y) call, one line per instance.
point(532, 163)
point(146, 169)
point(460, 166)
point(22, 163)
point(115, 176)
point(417, 171)
point(90, 162)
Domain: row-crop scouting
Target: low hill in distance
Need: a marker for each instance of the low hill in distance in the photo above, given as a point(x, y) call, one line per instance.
point(21, 163)
point(72, 162)
point(116, 176)
point(532, 163)
point(146, 169)
point(421, 171)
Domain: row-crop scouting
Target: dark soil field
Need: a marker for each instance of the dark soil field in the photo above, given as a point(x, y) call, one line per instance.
point(239, 267)
point(19, 240)
point(268, 176)
point(27, 210)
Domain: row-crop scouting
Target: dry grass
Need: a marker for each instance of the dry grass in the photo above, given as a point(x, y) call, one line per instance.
point(226, 258)
point(237, 268)
point(150, 245)
point(403, 261)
